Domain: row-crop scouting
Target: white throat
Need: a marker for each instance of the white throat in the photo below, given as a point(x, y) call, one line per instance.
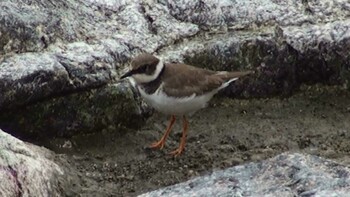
point(144, 78)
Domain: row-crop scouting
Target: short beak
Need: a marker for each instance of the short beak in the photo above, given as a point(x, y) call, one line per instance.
point(127, 74)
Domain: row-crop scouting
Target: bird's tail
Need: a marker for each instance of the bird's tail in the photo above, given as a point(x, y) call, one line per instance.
point(229, 77)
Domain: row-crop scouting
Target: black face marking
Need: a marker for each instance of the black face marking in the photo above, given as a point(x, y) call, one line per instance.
point(142, 64)
point(150, 68)
point(141, 69)
point(152, 86)
point(145, 69)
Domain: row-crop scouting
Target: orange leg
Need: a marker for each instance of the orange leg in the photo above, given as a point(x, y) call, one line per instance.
point(160, 144)
point(181, 147)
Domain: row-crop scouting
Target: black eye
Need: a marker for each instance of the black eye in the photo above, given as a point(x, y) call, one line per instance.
point(146, 68)
point(142, 69)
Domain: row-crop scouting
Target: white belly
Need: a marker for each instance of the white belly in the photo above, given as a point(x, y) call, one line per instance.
point(176, 106)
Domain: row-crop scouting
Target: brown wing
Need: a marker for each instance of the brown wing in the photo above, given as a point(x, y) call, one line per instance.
point(230, 75)
point(182, 80)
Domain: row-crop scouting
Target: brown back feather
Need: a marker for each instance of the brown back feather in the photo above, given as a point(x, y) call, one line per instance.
point(181, 80)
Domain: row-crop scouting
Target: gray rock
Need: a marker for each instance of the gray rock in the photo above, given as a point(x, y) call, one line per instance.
point(288, 174)
point(111, 107)
point(52, 49)
point(28, 170)
point(110, 41)
point(240, 13)
point(59, 61)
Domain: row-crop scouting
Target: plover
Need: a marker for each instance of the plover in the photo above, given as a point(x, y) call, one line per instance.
point(176, 89)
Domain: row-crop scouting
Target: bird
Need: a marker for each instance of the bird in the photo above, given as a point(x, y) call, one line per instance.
point(176, 89)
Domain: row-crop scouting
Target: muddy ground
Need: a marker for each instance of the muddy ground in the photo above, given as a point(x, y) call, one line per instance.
point(229, 132)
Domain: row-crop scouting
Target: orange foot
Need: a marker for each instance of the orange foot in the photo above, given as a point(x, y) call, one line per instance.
point(181, 148)
point(177, 152)
point(160, 144)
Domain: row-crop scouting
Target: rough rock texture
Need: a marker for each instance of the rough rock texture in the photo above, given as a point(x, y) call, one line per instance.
point(28, 170)
point(258, 12)
point(59, 61)
point(81, 43)
point(288, 174)
point(111, 107)
point(78, 45)
point(53, 48)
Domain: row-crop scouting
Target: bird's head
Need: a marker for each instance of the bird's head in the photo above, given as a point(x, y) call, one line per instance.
point(144, 68)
